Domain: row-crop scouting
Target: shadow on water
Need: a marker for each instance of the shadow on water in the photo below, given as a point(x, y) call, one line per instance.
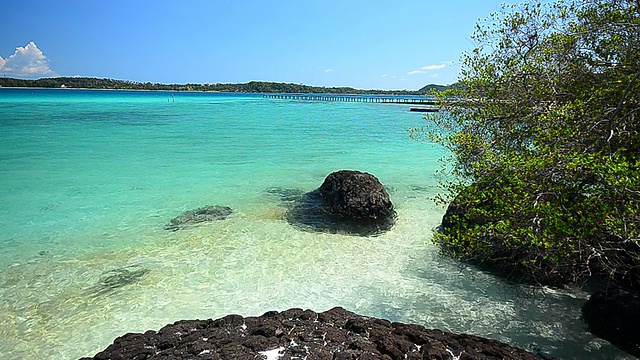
point(286, 196)
point(308, 212)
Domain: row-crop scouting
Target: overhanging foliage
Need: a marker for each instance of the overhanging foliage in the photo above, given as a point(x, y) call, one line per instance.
point(544, 132)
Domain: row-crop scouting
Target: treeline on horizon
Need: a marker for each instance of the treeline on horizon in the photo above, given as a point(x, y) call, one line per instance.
point(250, 87)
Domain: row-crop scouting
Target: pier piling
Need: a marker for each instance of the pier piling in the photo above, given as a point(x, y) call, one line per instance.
point(355, 98)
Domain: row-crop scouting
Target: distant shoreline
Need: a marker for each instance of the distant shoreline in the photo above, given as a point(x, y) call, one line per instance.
point(98, 89)
point(250, 87)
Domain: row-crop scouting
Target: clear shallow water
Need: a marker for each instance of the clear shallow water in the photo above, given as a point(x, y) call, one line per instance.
point(89, 179)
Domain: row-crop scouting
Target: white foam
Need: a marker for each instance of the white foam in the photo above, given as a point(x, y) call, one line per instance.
point(274, 354)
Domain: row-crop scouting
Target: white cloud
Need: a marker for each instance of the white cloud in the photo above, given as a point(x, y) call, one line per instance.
point(27, 61)
point(328, 70)
point(424, 69)
point(433, 67)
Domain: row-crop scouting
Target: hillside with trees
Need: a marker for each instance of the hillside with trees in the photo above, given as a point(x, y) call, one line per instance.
point(250, 87)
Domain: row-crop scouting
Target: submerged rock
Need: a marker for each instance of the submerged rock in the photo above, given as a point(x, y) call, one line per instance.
point(348, 201)
point(285, 195)
point(117, 278)
point(200, 215)
point(614, 315)
point(304, 334)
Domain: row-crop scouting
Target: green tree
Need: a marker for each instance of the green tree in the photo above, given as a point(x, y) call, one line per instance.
point(543, 130)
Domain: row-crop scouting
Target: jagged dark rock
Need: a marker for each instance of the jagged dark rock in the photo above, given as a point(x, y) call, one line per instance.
point(614, 315)
point(199, 215)
point(297, 333)
point(348, 201)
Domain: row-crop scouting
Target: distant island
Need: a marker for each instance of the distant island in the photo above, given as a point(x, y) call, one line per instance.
point(250, 87)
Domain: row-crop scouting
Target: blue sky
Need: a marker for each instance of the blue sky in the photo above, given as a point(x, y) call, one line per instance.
point(399, 44)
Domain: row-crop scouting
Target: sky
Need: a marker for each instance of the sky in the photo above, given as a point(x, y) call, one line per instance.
point(365, 44)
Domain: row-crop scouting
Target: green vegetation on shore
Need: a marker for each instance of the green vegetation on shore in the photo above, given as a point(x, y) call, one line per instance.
point(544, 132)
point(250, 87)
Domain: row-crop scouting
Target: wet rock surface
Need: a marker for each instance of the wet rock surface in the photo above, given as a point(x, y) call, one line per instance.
point(614, 315)
point(304, 334)
point(199, 215)
point(348, 201)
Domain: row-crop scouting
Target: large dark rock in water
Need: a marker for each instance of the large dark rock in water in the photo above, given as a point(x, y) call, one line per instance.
point(304, 334)
point(348, 201)
point(199, 215)
point(614, 315)
point(354, 195)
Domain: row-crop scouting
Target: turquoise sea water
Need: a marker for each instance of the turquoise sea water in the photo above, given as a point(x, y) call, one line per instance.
point(90, 179)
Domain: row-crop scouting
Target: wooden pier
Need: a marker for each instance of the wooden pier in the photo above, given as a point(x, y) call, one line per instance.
point(409, 100)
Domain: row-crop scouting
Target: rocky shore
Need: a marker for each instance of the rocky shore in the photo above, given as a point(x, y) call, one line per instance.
point(304, 334)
